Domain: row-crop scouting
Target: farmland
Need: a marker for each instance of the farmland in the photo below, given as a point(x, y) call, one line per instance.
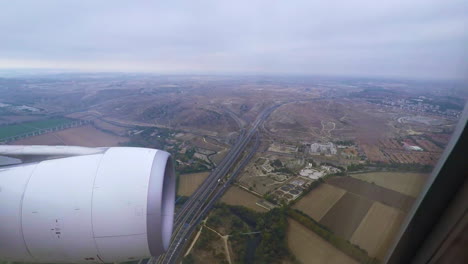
point(373, 192)
point(86, 136)
point(377, 229)
point(392, 151)
point(28, 127)
point(404, 182)
point(363, 213)
point(308, 247)
point(188, 183)
point(346, 215)
point(317, 203)
point(372, 125)
point(238, 196)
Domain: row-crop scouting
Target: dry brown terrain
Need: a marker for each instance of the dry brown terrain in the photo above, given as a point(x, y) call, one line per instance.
point(86, 136)
point(188, 183)
point(331, 119)
point(404, 182)
point(203, 143)
point(238, 196)
point(374, 154)
point(310, 248)
point(391, 150)
point(412, 157)
point(373, 192)
point(317, 203)
point(346, 215)
point(377, 229)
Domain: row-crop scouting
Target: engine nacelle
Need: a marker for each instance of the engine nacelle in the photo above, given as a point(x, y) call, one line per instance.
point(113, 206)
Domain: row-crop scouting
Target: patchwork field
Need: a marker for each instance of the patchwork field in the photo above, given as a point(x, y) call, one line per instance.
point(86, 136)
point(377, 229)
point(319, 201)
point(373, 192)
point(352, 209)
point(188, 183)
point(391, 150)
point(238, 196)
point(346, 215)
point(310, 248)
point(404, 182)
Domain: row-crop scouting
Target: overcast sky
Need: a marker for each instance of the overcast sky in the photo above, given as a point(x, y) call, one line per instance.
point(397, 38)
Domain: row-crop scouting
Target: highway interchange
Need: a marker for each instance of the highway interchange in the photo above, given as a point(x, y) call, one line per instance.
point(202, 200)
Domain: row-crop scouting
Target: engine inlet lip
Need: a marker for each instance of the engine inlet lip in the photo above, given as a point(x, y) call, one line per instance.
point(160, 204)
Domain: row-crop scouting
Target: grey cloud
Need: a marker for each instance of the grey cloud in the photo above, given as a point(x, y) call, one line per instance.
point(415, 39)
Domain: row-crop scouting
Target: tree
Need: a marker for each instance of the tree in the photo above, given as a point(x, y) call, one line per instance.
point(277, 163)
point(189, 259)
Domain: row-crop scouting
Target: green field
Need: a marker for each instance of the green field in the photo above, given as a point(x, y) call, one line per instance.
point(27, 127)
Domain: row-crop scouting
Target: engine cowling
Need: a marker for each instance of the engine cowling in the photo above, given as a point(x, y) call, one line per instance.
point(113, 206)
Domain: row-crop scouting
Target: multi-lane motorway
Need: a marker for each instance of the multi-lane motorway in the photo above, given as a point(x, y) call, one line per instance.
point(201, 201)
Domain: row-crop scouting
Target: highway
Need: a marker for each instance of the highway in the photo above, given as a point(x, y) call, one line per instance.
point(202, 200)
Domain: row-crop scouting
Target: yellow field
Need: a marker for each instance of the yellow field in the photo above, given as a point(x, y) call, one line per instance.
point(308, 247)
point(188, 183)
point(317, 203)
point(238, 196)
point(404, 182)
point(377, 229)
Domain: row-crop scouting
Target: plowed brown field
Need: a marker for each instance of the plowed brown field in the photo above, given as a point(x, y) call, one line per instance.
point(373, 192)
point(346, 215)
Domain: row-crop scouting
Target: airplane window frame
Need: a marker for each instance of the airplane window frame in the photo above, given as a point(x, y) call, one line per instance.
point(440, 206)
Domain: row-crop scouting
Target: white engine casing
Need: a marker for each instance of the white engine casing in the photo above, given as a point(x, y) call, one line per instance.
point(113, 206)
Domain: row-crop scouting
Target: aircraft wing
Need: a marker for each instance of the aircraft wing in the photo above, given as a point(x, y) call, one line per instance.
point(16, 154)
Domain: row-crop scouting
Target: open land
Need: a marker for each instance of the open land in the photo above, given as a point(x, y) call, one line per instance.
point(308, 247)
point(238, 196)
point(86, 136)
point(373, 192)
point(28, 127)
point(346, 215)
point(377, 229)
point(318, 202)
point(188, 183)
point(404, 182)
point(371, 126)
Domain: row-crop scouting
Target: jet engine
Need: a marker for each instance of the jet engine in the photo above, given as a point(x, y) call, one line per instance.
point(92, 206)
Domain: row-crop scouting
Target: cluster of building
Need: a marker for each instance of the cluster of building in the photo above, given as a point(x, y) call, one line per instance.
point(408, 146)
point(315, 173)
point(418, 105)
point(326, 149)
